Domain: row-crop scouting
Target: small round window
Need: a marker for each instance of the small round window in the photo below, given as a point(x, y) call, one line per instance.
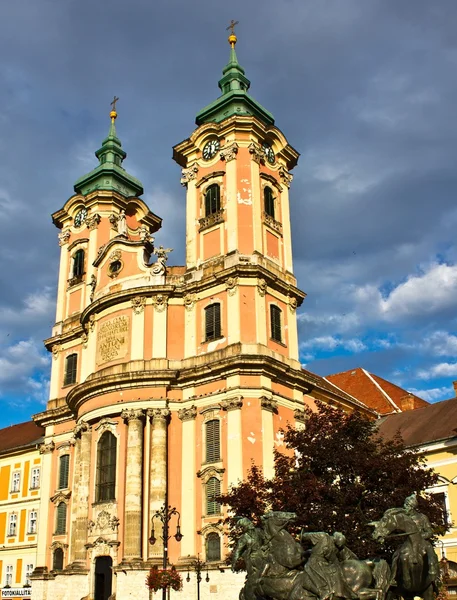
point(115, 267)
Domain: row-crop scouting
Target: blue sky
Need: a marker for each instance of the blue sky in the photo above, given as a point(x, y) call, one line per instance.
point(366, 91)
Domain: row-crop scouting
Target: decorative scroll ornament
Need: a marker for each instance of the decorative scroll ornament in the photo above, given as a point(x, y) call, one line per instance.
point(82, 427)
point(104, 521)
point(228, 153)
point(115, 255)
point(262, 287)
point(64, 237)
point(188, 174)
point(113, 219)
point(92, 284)
point(293, 304)
point(160, 302)
point(130, 414)
point(56, 545)
point(93, 221)
point(269, 404)
point(61, 496)
point(189, 301)
point(187, 414)
point(300, 416)
point(84, 339)
point(138, 304)
point(258, 155)
point(232, 403)
point(56, 350)
point(47, 448)
point(231, 284)
point(286, 177)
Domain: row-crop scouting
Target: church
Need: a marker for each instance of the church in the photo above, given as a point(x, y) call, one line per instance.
point(167, 382)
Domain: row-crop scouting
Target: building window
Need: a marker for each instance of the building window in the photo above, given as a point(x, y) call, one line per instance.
point(12, 525)
point(16, 483)
point(78, 264)
point(9, 575)
point(32, 521)
point(71, 363)
point(212, 322)
point(213, 441)
point(213, 490)
point(64, 468)
point(213, 547)
point(28, 573)
point(35, 481)
point(106, 468)
point(269, 202)
point(212, 200)
point(57, 559)
point(61, 518)
point(440, 497)
point(275, 322)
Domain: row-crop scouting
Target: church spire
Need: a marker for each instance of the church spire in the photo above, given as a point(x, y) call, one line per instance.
point(234, 86)
point(110, 175)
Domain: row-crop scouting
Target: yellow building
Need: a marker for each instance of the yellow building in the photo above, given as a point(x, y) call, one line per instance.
point(20, 492)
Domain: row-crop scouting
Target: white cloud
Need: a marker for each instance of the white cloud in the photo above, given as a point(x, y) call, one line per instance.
point(23, 371)
point(328, 342)
point(441, 343)
point(434, 394)
point(444, 369)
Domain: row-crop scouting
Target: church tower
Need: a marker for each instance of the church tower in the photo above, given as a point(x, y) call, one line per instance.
point(169, 381)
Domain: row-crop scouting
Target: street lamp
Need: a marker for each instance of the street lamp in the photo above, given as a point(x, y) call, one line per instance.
point(164, 515)
point(198, 566)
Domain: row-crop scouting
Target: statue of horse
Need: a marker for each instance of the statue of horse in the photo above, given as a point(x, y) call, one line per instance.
point(412, 560)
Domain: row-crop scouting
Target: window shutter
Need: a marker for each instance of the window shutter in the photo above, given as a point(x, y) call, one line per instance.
point(213, 442)
point(212, 200)
point(275, 321)
point(57, 562)
point(64, 468)
point(71, 364)
point(212, 322)
point(78, 263)
point(269, 202)
point(106, 467)
point(61, 525)
point(213, 547)
point(213, 490)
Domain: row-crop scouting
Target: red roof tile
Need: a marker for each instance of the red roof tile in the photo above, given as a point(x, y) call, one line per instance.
point(22, 434)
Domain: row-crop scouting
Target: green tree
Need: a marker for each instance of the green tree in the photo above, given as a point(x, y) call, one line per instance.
point(337, 474)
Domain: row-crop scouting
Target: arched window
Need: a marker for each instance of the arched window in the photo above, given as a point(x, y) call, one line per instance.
point(61, 518)
point(212, 200)
point(275, 322)
point(71, 363)
point(269, 202)
point(213, 490)
point(213, 441)
point(213, 546)
point(105, 486)
point(78, 263)
point(57, 559)
point(64, 469)
point(212, 322)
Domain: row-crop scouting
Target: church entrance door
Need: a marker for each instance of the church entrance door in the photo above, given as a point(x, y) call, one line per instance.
point(103, 577)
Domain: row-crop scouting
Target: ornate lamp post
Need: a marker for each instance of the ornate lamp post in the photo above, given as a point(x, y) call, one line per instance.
point(198, 566)
point(164, 515)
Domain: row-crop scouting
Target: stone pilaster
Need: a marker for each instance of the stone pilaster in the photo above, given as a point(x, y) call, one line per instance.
point(133, 484)
point(189, 468)
point(80, 500)
point(158, 471)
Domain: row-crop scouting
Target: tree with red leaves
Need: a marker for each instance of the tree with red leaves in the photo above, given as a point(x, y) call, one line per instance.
point(337, 475)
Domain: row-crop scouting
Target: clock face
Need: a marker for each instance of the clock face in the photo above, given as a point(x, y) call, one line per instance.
point(269, 154)
point(210, 149)
point(80, 217)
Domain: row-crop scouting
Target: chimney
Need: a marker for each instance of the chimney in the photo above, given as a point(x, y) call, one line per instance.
point(407, 402)
point(454, 383)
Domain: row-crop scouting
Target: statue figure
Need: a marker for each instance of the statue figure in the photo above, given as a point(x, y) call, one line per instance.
point(250, 548)
point(122, 224)
point(158, 268)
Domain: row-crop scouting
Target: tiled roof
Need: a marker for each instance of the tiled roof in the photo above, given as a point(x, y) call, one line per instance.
point(22, 434)
point(375, 392)
point(428, 424)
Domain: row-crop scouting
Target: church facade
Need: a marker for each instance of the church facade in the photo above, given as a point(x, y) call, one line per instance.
point(168, 382)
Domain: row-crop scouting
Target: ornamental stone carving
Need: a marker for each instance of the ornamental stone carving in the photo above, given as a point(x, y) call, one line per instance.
point(228, 153)
point(113, 219)
point(210, 220)
point(61, 496)
point(106, 424)
point(286, 177)
point(187, 414)
point(138, 304)
point(91, 322)
point(231, 284)
point(104, 521)
point(81, 428)
point(188, 175)
point(158, 414)
point(293, 304)
point(84, 339)
point(269, 404)
point(189, 301)
point(258, 155)
point(93, 221)
point(47, 448)
point(56, 545)
point(64, 237)
point(56, 350)
point(145, 234)
point(276, 225)
point(232, 403)
point(300, 415)
point(262, 287)
point(130, 414)
point(159, 267)
point(92, 284)
point(160, 302)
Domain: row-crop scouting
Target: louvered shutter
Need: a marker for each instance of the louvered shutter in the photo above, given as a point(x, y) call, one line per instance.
point(212, 200)
point(213, 547)
point(212, 322)
point(57, 561)
point(106, 467)
point(78, 263)
point(71, 364)
point(213, 441)
point(64, 467)
point(269, 202)
point(61, 524)
point(213, 490)
point(275, 319)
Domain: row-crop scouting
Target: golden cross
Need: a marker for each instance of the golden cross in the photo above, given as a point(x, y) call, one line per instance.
point(232, 26)
point(113, 103)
